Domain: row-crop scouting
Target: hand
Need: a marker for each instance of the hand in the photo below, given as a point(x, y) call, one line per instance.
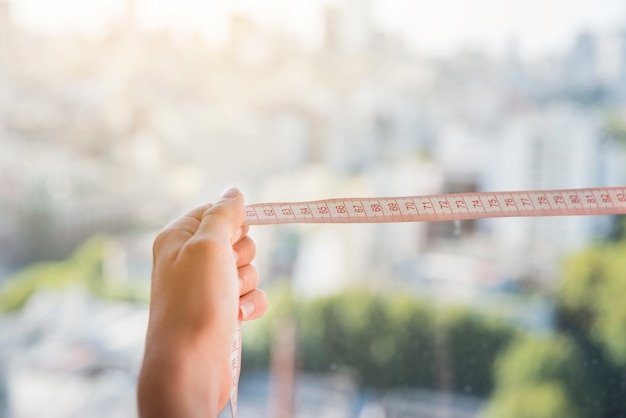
point(202, 283)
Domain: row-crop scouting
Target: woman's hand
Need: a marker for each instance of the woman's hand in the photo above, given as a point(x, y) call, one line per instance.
point(202, 283)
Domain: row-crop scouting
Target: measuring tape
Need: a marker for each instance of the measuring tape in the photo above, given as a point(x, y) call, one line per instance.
point(235, 366)
point(431, 208)
point(443, 207)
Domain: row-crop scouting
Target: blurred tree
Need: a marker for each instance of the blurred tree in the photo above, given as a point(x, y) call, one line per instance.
point(618, 228)
point(412, 324)
point(584, 363)
point(83, 268)
point(258, 334)
point(592, 299)
point(15, 293)
point(542, 400)
point(474, 341)
point(591, 310)
point(553, 363)
point(615, 126)
point(390, 341)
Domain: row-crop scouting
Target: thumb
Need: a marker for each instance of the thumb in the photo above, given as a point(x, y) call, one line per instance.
point(224, 219)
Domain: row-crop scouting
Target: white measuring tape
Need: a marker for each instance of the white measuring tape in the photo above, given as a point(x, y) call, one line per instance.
point(443, 207)
point(431, 208)
point(235, 366)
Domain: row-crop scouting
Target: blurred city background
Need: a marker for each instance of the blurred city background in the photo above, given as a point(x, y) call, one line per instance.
point(117, 116)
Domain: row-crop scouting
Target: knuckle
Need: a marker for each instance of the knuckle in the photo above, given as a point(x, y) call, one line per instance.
point(250, 276)
point(160, 241)
point(253, 276)
point(205, 244)
point(250, 245)
point(218, 210)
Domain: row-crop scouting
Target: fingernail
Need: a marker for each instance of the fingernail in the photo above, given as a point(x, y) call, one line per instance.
point(230, 193)
point(247, 308)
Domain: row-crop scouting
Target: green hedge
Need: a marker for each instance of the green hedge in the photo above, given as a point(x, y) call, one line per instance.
point(386, 341)
point(82, 268)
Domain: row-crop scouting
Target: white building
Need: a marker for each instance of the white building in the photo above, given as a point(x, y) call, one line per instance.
point(348, 26)
point(555, 147)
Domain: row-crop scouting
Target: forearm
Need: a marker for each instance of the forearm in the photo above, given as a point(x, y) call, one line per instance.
point(179, 383)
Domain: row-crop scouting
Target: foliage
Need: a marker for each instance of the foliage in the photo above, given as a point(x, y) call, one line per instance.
point(389, 341)
point(257, 335)
point(554, 364)
point(83, 268)
point(42, 275)
point(542, 400)
point(592, 299)
point(591, 310)
point(615, 126)
point(581, 370)
point(618, 228)
point(384, 346)
point(474, 341)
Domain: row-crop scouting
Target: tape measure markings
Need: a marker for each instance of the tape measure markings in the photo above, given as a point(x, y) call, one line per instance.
point(235, 365)
point(442, 207)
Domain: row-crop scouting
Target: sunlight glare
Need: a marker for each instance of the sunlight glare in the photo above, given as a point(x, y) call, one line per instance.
point(440, 26)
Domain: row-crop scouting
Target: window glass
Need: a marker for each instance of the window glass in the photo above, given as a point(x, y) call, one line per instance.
point(117, 116)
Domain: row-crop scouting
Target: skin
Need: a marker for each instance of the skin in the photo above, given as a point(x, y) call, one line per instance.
point(202, 283)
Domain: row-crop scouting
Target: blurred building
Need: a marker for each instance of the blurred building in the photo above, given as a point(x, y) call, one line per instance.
point(557, 146)
point(348, 26)
point(6, 27)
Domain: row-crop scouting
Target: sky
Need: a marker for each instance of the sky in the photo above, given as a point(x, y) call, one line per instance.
point(441, 26)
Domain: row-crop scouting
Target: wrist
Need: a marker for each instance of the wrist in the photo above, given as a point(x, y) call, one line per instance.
point(176, 379)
